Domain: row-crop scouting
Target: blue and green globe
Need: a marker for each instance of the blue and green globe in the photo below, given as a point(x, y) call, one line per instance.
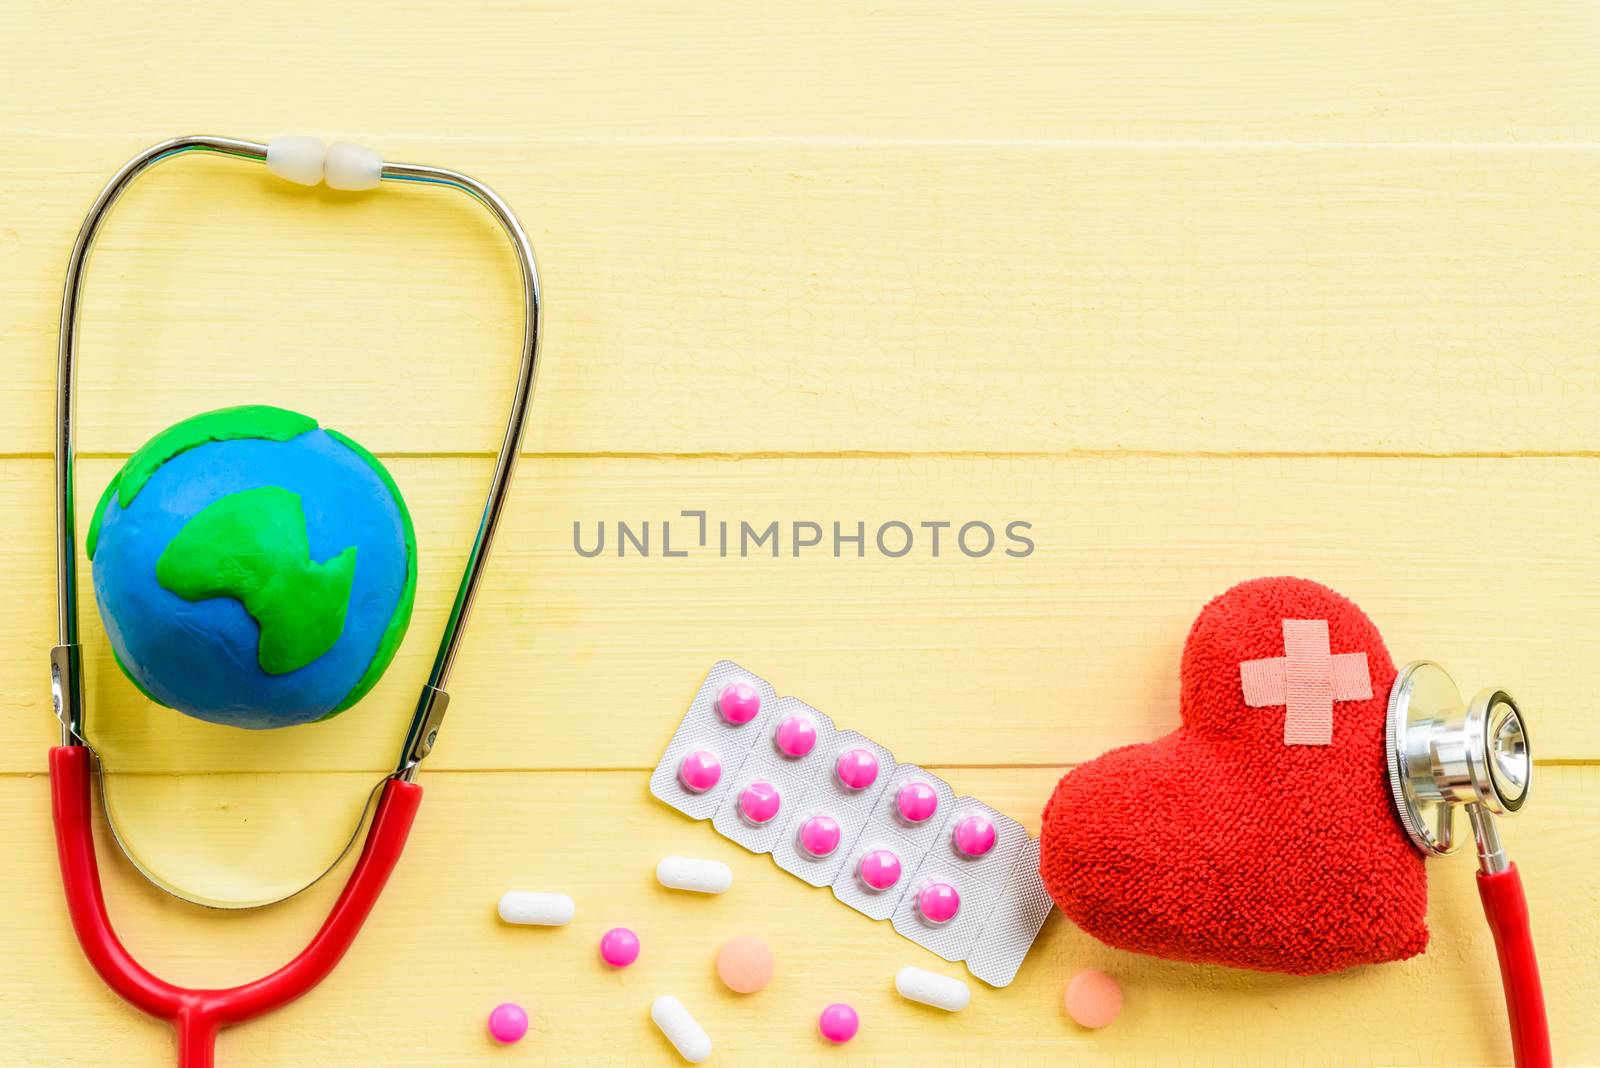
point(253, 569)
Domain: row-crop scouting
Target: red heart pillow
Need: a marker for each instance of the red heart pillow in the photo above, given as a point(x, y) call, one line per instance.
point(1248, 836)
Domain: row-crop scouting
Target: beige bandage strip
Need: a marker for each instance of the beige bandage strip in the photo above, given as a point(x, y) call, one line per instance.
point(1307, 681)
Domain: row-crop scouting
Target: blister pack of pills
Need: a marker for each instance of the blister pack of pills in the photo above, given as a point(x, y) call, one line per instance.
point(834, 808)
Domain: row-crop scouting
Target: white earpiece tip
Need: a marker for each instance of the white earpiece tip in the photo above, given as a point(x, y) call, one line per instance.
point(296, 159)
point(352, 167)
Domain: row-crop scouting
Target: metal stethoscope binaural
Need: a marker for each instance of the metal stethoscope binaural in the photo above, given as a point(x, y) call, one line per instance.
point(199, 1014)
point(1444, 752)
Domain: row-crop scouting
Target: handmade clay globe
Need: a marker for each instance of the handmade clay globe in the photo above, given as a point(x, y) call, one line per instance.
point(253, 569)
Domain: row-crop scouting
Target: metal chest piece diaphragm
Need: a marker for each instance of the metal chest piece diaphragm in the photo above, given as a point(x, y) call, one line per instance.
point(1444, 752)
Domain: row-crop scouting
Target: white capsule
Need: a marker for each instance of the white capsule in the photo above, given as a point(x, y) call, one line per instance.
point(681, 1029)
point(931, 988)
point(546, 910)
point(701, 876)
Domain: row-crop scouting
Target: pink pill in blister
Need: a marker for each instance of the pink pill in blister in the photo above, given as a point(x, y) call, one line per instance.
point(819, 835)
point(916, 801)
point(759, 802)
point(796, 736)
point(879, 869)
point(938, 902)
point(973, 836)
point(739, 702)
point(857, 768)
point(700, 771)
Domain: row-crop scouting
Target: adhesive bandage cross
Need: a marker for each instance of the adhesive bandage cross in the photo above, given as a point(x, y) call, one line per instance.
point(1306, 681)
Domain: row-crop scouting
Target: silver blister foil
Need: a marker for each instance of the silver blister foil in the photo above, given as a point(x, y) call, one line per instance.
point(729, 819)
point(1010, 842)
point(956, 938)
point(867, 797)
point(1003, 900)
point(848, 886)
point(1023, 907)
point(793, 858)
point(703, 727)
point(886, 812)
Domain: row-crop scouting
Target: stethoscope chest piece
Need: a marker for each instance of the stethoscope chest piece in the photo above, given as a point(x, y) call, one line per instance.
point(1445, 752)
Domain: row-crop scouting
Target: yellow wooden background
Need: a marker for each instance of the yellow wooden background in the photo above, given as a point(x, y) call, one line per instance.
point(1203, 291)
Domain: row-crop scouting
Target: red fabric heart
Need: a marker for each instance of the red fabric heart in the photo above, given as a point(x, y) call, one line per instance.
point(1219, 842)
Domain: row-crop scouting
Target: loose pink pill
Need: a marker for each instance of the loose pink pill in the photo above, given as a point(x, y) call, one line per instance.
point(857, 768)
point(973, 836)
point(508, 1023)
point(700, 771)
point(938, 902)
point(759, 802)
point(819, 835)
point(917, 801)
point(619, 947)
point(739, 702)
point(879, 869)
point(796, 736)
point(839, 1023)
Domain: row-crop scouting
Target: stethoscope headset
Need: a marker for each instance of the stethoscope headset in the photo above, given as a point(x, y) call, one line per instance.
point(198, 1014)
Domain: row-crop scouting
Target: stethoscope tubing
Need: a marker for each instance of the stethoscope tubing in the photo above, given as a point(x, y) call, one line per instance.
point(198, 1014)
point(1505, 905)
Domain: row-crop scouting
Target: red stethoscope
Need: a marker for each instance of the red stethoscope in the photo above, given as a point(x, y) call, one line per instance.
point(1443, 753)
point(198, 1015)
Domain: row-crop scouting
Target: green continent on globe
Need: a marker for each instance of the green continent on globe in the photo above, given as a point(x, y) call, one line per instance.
point(252, 546)
point(225, 424)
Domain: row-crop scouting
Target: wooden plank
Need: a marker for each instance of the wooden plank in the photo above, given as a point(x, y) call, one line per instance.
point(433, 960)
point(1153, 69)
point(803, 297)
point(1486, 565)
